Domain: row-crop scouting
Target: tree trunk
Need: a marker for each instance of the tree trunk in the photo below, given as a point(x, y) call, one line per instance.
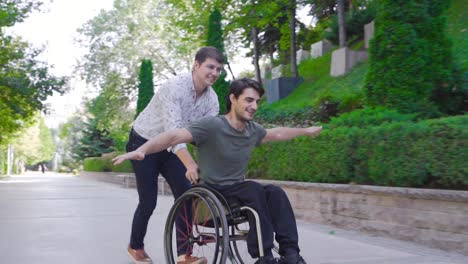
point(256, 57)
point(292, 24)
point(341, 23)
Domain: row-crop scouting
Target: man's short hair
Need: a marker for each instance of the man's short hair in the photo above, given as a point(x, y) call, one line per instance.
point(209, 52)
point(237, 88)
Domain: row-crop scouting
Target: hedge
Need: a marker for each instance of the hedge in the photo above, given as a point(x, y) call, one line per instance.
point(399, 152)
point(429, 153)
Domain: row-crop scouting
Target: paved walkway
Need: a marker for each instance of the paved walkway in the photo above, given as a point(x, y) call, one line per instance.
point(54, 219)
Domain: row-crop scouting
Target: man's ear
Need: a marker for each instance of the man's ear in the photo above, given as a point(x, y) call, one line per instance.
point(232, 98)
point(196, 65)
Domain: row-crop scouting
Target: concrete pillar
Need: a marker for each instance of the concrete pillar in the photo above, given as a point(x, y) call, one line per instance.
point(301, 55)
point(318, 49)
point(368, 33)
point(277, 72)
point(344, 59)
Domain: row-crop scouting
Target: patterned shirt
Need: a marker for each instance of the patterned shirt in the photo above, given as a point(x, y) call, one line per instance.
point(173, 106)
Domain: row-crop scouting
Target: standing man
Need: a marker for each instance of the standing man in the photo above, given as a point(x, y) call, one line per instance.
point(182, 99)
point(225, 144)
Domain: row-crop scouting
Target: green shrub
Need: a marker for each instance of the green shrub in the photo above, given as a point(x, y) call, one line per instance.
point(351, 102)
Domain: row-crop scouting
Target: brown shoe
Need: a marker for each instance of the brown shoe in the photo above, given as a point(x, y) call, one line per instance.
point(187, 259)
point(139, 256)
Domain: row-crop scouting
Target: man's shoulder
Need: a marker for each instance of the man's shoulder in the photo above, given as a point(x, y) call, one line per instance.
point(211, 119)
point(205, 126)
point(254, 125)
point(211, 92)
point(180, 80)
point(208, 122)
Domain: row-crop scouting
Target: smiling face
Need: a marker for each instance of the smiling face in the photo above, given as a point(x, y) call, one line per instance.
point(245, 105)
point(206, 73)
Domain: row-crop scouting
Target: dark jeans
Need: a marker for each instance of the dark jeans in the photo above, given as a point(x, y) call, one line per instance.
point(275, 212)
point(146, 173)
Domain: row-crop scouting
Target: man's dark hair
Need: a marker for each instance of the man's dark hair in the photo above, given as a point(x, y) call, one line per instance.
point(209, 52)
point(238, 86)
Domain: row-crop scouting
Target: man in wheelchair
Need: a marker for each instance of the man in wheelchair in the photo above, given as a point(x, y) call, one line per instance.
point(225, 144)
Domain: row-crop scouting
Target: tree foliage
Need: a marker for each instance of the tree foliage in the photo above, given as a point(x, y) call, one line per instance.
point(25, 81)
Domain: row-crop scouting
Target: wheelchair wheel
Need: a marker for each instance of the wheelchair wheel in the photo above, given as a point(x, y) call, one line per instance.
point(202, 229)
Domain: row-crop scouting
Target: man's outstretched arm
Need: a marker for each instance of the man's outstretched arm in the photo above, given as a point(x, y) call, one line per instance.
point(156, 144)
point(288, 133)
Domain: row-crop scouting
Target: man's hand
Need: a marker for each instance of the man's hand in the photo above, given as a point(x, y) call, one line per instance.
point(314, 131)
point(192, 174)
point(133, 155)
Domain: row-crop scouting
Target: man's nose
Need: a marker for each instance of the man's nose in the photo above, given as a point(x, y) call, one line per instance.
point(216, 71)
point(254, 105)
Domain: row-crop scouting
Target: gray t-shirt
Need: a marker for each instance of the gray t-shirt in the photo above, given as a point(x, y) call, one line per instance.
point(224, 152)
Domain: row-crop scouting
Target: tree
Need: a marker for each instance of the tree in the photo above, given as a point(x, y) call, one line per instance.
point(110, 110)
point(341, 22)
point(292, 22)
point(118, 39)
point(145, 85)
point(258, 25)
point(322, 9)
point(215, 39)
point(94, 141)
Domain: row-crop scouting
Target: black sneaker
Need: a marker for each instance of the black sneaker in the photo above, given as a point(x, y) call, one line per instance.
point(292, 259)
point(266, 260)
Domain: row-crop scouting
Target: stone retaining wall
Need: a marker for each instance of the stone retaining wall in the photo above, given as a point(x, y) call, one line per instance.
point(436, 218)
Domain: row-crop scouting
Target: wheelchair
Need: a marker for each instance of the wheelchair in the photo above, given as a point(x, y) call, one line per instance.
point(212, 227)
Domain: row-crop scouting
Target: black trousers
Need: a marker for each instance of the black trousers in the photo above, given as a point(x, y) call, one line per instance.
point(276, 216)
point(146, 173)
